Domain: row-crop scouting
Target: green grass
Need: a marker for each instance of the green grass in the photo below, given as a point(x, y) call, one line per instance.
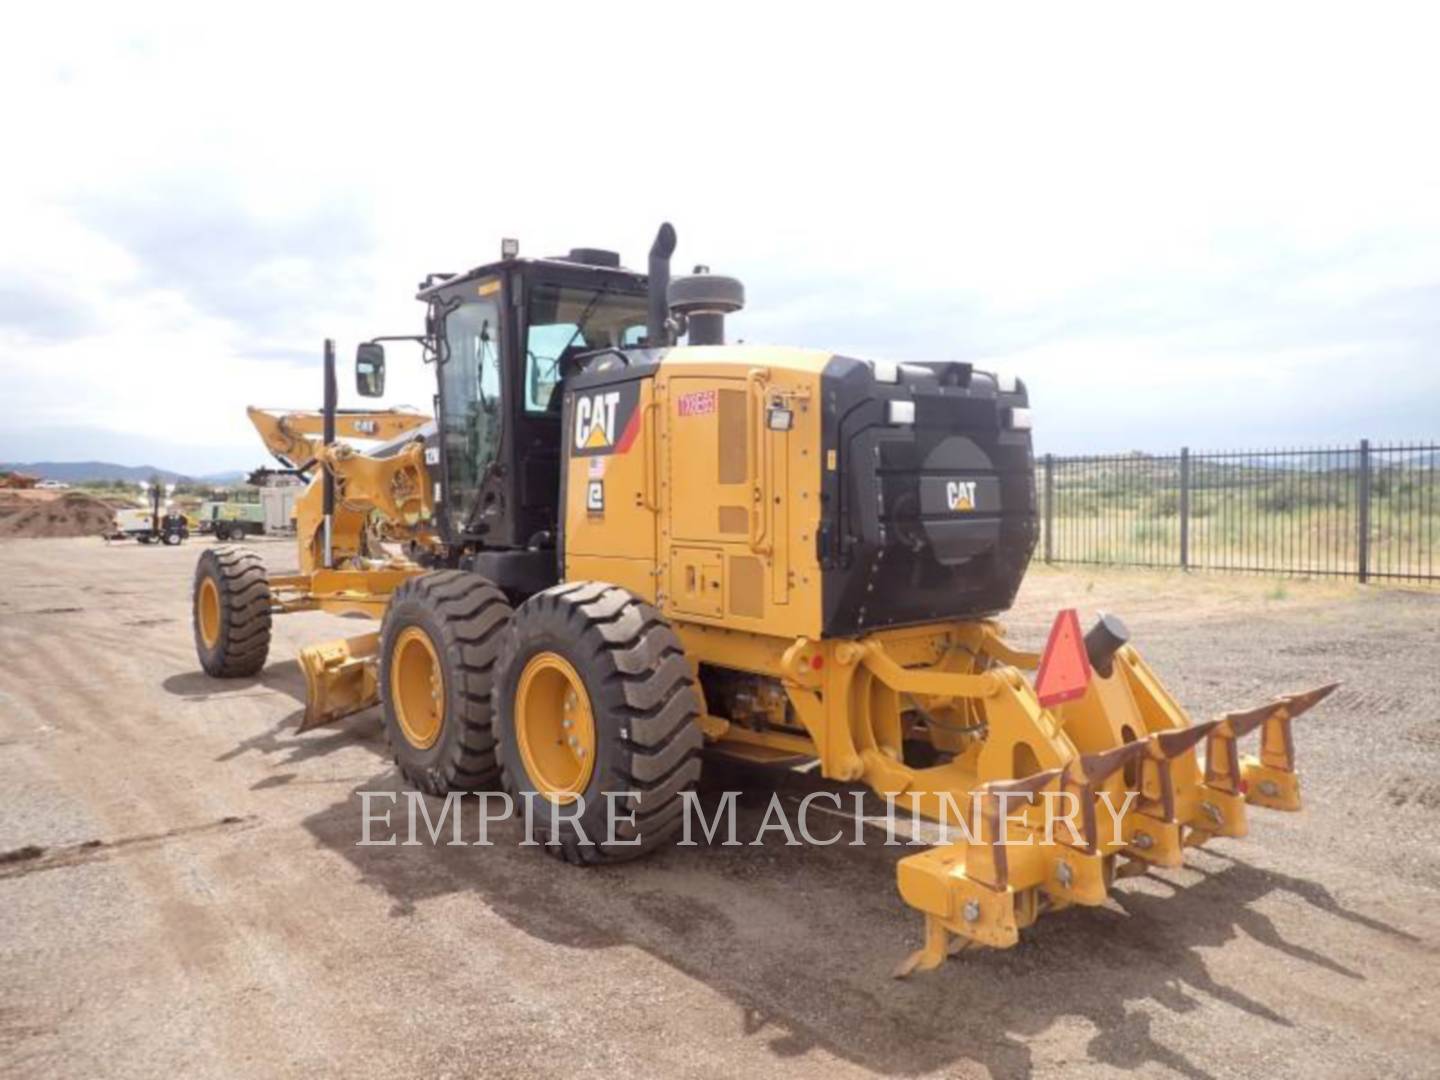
point(1243, 517)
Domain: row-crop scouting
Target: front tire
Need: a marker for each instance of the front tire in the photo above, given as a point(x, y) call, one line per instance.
point(438, 646)
point(596, 700)
point(231, 612)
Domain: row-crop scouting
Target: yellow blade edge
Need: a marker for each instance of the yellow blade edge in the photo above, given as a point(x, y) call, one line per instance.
point(340, 679)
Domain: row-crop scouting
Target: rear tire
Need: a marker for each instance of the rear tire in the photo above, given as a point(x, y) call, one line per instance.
point(635, 712)
point(230, 609)
point(438, 646)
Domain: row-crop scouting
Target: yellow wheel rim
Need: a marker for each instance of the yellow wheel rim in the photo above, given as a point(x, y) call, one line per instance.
point(417, 688)
point(207, 610)
point(555, 727)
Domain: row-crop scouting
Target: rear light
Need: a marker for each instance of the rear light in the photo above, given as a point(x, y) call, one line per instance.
point(1019, 419)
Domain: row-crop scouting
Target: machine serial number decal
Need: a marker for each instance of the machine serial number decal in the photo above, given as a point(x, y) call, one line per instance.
point(697, 403)
point(960, 495)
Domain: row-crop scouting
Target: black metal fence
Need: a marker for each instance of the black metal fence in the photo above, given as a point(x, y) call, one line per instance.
point(1365, 511)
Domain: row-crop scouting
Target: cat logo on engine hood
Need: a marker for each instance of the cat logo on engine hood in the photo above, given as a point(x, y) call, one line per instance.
point(595, 420)
point(604, 421)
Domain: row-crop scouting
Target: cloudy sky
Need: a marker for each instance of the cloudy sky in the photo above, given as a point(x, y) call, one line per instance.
point(1219, 229)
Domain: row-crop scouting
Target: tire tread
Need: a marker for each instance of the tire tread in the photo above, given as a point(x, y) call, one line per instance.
point(473, 613)
point(645, 699)
point(245, 612)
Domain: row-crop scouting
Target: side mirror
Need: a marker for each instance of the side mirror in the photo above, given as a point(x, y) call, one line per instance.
point(370, 369)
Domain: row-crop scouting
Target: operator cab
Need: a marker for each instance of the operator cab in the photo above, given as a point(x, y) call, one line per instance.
point(503, 336)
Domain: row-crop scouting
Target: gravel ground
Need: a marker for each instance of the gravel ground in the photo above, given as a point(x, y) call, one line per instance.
point(182, 892)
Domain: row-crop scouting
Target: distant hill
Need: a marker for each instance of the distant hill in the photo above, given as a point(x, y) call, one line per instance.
point(75, 472)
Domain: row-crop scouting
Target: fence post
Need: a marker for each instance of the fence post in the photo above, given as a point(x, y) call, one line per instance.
point(1364, 514)
point(1049, 508)
point(1184, 508)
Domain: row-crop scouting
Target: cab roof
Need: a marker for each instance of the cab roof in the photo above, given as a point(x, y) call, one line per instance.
point(562, 267)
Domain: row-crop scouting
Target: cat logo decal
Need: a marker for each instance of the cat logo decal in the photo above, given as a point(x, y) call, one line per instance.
point(960, 495)
point(606, 421)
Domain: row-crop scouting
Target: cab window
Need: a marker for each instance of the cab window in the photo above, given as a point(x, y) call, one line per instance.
point(545, 344)
point(470, 403)
point(565, 321)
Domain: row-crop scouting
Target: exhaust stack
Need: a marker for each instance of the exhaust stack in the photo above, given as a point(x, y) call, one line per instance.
point(656, 331)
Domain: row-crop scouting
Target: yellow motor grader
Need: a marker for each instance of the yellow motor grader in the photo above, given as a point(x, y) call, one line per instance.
point(608, 552)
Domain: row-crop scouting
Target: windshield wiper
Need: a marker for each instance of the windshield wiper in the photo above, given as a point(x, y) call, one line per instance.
point(584, 318)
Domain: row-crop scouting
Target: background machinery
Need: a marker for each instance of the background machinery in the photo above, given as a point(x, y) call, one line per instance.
point(231, 520)
point(159, 522)
point(607, 551)
point(272, 513)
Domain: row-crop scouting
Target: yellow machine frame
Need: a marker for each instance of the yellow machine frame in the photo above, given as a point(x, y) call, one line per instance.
point(741, 589)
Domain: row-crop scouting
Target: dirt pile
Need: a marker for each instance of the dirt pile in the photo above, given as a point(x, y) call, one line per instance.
point(74, 513)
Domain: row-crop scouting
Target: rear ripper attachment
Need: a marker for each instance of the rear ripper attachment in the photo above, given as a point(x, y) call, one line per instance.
point(1093, 774)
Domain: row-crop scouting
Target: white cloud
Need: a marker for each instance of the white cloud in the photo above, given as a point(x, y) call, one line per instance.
point(1174, 204)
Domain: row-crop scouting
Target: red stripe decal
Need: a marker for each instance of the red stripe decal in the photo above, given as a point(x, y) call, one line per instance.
point(632, 428)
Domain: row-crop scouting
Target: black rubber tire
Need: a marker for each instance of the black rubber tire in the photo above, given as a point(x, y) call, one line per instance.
point(244, 590)
point(172, 538)
point(464, 616)
point(646, 711)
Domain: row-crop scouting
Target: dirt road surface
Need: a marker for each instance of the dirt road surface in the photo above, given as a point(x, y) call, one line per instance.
point(182, 893)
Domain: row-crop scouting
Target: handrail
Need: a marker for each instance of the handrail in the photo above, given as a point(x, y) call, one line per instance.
point(759, 517)
point(650, 483)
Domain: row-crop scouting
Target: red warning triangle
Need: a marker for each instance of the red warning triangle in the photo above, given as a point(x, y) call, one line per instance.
point(1065, 668)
